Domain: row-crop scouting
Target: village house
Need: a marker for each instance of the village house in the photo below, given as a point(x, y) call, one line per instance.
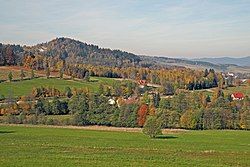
point(237, 96)
point(112, 101)
point(142, 83)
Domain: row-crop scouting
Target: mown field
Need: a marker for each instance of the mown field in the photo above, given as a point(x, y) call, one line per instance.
point(44, 146)
point(19, 88)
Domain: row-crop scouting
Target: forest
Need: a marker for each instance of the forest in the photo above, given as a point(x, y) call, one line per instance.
point(175, 101)
point(132, 105)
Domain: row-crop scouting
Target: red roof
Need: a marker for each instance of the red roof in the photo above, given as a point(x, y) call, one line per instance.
point(142, 82)
point(238, 95)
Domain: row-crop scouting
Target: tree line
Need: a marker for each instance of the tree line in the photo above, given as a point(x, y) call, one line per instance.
point(189, 111)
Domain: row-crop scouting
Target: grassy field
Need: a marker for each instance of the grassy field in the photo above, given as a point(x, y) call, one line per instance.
point(44, 146)
point(244, 89)
point(20, 88)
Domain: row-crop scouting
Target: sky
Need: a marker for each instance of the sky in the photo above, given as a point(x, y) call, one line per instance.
point(172, 28)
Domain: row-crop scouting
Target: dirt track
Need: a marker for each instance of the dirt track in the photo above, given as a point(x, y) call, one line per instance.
point(100, 128)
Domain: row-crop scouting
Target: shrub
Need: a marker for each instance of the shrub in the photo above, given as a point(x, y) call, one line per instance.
point(152, 127)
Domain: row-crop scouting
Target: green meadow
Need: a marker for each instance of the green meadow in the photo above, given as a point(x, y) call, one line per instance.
point(46, 146)
point(245, 89)
point(19, 88)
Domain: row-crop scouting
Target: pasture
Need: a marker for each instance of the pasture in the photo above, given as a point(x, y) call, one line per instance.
point(46, 146)
point(245, 89)
point(19, 88)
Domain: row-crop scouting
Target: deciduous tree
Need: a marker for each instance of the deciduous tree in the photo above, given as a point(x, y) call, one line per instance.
point(152, 127)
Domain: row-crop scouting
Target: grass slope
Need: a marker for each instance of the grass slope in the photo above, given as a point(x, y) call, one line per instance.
point(243, 88)
point(20, 88)
point(41, 146)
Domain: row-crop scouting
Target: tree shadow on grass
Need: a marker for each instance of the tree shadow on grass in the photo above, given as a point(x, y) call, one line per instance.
point(94, 80)
point(5, 131)
point(165, 137)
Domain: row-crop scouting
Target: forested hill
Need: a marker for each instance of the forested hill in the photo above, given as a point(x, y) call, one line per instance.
point(11, 54)
point(76, 52)
point(72, 51)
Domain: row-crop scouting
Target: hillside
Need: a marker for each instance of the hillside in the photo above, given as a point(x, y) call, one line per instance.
point(20, 88)
point(243, 61)
point(69, 50)
point(165, 61)
point(76, 52)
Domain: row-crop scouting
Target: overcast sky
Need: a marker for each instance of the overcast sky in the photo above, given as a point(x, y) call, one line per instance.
point(174, 28)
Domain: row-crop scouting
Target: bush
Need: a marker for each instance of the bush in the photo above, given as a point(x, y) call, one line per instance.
point(66, 121)
point(32, 119)
point(42, 119)
point(152, 127)
point(2, 97)
point(79, 120)
point(12, 119)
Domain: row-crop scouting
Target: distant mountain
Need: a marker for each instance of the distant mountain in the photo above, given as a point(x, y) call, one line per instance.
point(243, 61)
point(182, 62)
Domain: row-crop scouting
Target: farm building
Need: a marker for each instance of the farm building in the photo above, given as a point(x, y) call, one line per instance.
point(237, 96)
point(142, 83)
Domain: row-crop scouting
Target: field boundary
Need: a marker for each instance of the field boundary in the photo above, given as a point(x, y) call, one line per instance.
point(98, 128)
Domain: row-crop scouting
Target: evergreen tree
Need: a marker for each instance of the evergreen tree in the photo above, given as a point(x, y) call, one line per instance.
point(206, 73)
point(68, 92)
point(156, 99)
point(39, 107)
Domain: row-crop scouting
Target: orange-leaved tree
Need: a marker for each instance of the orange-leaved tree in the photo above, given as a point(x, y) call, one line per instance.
point(142, 114)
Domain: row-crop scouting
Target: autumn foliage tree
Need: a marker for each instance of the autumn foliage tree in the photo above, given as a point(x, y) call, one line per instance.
point(142, 114)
